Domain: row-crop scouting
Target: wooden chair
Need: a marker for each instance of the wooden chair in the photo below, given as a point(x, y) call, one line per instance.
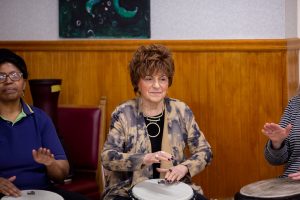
point(82, 131)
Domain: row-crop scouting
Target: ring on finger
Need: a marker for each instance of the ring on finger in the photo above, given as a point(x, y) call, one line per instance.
point(170, 170)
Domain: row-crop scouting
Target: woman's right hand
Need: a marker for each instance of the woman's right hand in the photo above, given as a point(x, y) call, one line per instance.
point(157, 157)
point(8, 188)
point(276, 133)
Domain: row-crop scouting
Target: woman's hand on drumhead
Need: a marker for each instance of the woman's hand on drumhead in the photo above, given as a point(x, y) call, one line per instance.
point(276, 133)
point(157, 157)
point(8, 188)
point(174, 174)
point(43, 156)
point(295, 176)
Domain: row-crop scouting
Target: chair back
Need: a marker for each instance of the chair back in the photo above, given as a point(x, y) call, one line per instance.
point(82, 131)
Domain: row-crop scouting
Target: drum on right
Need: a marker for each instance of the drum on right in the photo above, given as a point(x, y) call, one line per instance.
point(277, 188)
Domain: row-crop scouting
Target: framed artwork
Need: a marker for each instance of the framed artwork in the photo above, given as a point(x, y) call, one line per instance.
point(104, 18)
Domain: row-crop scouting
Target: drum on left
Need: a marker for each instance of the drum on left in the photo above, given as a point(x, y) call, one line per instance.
point(35, 195)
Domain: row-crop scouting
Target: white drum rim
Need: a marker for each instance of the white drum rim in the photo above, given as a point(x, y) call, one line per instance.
point(247, 189)
point(138, 190)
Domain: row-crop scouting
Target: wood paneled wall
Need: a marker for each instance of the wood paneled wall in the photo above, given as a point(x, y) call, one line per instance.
point(232, 86)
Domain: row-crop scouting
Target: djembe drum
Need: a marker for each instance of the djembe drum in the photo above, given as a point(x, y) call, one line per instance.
point(35, 195)
point(277, 188)
point(153, 189)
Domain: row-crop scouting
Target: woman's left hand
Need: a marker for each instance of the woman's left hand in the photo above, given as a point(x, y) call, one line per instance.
point(294, 176)
point(43, 156)
point(174, 174)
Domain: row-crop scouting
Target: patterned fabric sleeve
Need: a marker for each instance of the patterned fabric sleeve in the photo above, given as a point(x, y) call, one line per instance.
point(113, 156)
point(200, 150)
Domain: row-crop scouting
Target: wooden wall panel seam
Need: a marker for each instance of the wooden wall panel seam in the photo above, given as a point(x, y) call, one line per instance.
point(131, 45)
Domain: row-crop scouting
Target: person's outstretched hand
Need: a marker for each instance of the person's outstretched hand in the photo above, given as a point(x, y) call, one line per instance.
point(276, 133)
point(8, 188)
point(157, 157)
point(43, 156)
point(295, 176)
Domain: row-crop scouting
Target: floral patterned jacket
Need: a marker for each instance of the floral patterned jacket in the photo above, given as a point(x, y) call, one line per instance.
point(128, 142)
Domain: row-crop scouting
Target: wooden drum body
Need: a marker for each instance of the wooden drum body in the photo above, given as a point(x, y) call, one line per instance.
point(277, 188)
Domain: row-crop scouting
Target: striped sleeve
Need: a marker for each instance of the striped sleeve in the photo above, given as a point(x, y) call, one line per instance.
point(289, 153)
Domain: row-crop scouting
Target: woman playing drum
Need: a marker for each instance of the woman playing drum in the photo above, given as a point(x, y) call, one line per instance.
point(283, 147)
point(148, 134)
point(31, 154)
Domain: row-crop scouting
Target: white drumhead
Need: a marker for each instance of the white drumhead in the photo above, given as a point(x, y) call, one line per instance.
point(152, 190)
point(35, 195)
point(272, 188)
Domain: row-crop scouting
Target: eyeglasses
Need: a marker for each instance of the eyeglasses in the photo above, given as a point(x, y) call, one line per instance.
point(14, 76)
